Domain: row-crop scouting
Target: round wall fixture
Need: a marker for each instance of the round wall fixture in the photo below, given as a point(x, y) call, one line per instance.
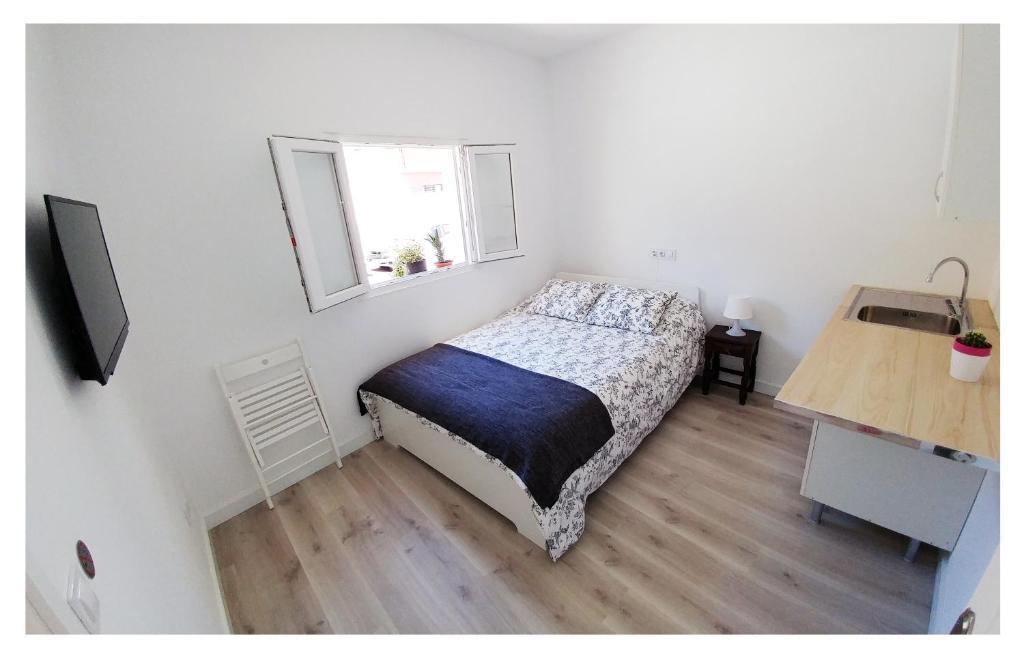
point(85, 559)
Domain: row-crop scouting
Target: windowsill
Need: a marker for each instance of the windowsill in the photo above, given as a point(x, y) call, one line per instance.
point(419, 279)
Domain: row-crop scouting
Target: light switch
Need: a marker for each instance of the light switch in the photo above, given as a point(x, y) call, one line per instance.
point(83, 600)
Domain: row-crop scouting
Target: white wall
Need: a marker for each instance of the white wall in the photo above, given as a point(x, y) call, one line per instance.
point(970, 188)
point(96, 469)
point(167, 127)
point(960, 571)
point(788, 162)
point(993, 289)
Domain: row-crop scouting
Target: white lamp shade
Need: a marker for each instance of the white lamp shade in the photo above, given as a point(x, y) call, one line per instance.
point(738, 306)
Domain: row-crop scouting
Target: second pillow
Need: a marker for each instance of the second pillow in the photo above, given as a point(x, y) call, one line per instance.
point(629, 308)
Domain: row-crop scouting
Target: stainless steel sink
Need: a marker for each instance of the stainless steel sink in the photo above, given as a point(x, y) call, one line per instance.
point(911, 319)
point(917, 311)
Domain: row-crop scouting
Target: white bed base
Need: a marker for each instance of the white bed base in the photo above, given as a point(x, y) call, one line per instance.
point(482, 478)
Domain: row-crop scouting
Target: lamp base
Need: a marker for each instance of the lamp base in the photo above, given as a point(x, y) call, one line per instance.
point(735, 330)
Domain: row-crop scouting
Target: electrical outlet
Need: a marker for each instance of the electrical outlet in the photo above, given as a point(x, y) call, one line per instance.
point(663, 254)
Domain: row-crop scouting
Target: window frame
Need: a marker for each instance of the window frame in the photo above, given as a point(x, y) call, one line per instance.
point(303, 242)
point(283, 146)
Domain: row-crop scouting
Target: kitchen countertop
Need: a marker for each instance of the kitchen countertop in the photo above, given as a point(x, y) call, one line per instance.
point(894, 382)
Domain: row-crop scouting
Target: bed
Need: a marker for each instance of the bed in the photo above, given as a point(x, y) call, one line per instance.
point(637, 377)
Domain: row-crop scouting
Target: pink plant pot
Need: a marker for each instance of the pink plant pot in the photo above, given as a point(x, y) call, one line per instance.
point(968, 363)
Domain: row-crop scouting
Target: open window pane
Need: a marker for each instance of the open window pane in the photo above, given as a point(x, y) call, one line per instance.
point(494, 210)
point(497, 210)
point(318, 181)
point(309, 175)
point(407, 205)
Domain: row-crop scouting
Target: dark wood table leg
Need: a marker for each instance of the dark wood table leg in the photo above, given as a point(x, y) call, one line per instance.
point(705, 378)
point(745, 381)
point(753, 366)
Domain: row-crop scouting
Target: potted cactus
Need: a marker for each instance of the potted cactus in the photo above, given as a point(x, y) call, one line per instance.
point(434, 239)
point(969, 356)
point(409, 260)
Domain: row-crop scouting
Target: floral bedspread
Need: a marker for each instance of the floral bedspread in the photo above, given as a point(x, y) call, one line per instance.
point(638, 376)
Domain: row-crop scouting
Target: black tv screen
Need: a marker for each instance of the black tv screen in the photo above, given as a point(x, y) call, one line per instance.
point(99, 323)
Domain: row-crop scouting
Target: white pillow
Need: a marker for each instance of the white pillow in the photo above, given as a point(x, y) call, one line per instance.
point(629, 308)
point(570, 300)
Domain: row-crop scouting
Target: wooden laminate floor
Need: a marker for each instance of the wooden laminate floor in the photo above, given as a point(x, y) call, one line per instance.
point(701, 530)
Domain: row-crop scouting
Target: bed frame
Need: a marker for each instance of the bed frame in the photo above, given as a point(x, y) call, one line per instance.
point(484, 479)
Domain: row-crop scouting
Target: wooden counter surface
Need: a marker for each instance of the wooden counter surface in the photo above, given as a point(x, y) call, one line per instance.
point(895, 382)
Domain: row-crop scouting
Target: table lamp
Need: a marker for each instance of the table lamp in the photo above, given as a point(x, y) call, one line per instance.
point(738, 307)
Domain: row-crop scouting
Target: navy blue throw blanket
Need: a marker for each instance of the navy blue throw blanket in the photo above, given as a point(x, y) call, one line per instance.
point(540, 427)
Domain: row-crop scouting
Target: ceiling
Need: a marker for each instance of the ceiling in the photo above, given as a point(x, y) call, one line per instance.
point(537, 40)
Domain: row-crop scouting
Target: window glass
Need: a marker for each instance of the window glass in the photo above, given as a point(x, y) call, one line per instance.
point(319, 184)
point(407, 206)
point(496, 216)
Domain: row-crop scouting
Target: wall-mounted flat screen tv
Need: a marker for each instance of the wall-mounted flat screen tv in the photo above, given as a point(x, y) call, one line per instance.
point(99, 322)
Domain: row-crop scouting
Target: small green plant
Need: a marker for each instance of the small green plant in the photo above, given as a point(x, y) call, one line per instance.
point(975, 339)
point(409, 253)
point(434, 239)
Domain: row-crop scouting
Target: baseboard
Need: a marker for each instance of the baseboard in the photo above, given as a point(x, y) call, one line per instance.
point(254, 496)
point(215, 573)
point(770, 389)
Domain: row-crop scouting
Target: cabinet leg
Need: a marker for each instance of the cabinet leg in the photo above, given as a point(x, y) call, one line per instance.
point(815, 516)
point(705, 378)
point(911, 553)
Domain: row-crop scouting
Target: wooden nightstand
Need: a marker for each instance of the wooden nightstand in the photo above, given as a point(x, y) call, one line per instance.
point(716, 343)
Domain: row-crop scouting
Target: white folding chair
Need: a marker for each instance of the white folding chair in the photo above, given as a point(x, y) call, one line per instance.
point(274, 397)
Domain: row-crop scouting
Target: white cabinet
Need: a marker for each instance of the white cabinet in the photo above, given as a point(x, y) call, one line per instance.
point(967, 188)
point(963, 577)
point(907, 490)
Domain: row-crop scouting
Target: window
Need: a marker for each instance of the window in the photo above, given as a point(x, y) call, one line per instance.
point(368, 215)
point(407, 207)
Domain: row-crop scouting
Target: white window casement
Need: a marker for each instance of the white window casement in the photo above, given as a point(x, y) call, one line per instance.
point(310, 174)
point(492, 189)
point(368, 215)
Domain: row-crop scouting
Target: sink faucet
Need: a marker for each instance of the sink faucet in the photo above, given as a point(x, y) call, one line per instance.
point(961, 310)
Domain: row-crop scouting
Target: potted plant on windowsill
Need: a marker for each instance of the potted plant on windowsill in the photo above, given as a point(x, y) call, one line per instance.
point(969, 356)
point(434, 239)
point(410, 260)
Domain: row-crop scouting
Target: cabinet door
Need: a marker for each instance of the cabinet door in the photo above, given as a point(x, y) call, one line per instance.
point(907, 490)
point(969, 185)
